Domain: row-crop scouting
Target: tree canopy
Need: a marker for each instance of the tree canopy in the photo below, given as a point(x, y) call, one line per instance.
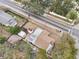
point(61, 7)
point(72, 14)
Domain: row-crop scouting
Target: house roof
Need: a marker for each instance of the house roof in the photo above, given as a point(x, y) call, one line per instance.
point(6, 19)
point(44, 40)
point(41, 38)
point(14, 38)
point(33, 37)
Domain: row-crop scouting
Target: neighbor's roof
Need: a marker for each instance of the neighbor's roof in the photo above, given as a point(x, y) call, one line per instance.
point(14, 38)
point(6, 19)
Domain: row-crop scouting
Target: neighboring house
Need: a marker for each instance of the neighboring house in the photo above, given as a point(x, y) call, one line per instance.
point(6, 19)
point(41, 39)
point(14, 39)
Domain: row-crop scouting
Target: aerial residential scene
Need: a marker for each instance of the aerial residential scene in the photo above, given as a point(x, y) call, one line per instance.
point(39, 29)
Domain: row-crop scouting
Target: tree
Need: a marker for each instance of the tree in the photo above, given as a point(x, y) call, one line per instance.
point(36, 6)
point(61, 7)
point(72, 14)
point(2, 39)
point(14, 30)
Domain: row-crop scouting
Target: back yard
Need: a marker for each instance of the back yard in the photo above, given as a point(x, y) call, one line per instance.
point(21, 50)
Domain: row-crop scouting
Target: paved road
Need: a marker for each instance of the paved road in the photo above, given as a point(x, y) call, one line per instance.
point(17, 9)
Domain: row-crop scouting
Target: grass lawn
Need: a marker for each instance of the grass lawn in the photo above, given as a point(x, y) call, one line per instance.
point(19, 51)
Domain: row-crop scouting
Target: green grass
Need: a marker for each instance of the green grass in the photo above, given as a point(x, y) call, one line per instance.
point(2, 39)
point(14, 30)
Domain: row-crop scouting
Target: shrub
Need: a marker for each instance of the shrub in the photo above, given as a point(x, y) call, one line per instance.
point(72, 14)
point(14, 30)
point(2, 39)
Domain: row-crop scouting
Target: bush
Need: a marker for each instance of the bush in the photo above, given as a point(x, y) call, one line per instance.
point(2, 40)
point(72, 14)
point(14, 30)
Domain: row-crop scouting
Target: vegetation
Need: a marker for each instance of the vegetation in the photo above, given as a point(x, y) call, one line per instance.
point(41, 54)
point(61, 7)
point(24, 48)
point(64, 48)
point(72, 14)
point(2, 39)
point(36, 6)
point(19, 51)
point(14, 30)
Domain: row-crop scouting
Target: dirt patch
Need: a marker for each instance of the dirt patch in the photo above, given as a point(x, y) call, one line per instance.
point(3, 32)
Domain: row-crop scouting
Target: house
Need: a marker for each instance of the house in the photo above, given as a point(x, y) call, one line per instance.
point(41, 39)
point(6, 19)
point(14, 39)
